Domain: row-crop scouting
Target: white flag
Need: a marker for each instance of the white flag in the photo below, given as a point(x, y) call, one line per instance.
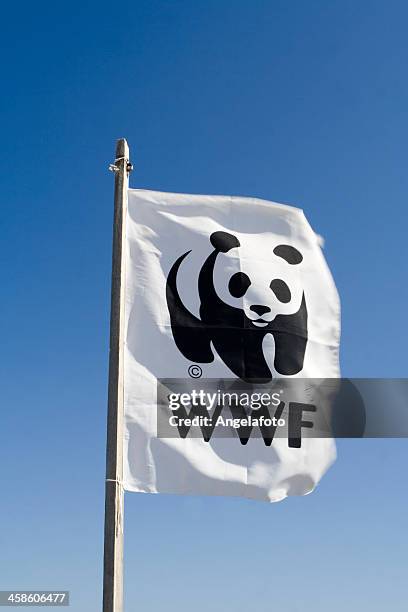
point(222, 288)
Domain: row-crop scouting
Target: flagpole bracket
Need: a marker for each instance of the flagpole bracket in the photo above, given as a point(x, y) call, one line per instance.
point(115, 168)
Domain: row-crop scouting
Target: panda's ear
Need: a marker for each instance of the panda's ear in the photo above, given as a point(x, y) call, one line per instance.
point(223, 242)
point(289, 254)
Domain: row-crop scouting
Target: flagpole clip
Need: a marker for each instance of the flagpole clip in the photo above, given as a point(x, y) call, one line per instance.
point(114, 168)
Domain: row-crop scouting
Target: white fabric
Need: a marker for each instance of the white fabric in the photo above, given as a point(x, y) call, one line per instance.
point(160, 227)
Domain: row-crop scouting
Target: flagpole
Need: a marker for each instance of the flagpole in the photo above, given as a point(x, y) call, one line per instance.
point(113, 539)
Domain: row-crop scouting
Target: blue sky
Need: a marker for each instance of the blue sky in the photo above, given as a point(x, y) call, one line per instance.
point(298, 102)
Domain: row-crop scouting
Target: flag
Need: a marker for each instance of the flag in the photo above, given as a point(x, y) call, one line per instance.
point(222, 292)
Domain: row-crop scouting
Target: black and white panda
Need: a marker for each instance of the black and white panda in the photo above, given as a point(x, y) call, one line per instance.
point(239, 308)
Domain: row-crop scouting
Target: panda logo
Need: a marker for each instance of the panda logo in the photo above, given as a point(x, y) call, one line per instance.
point(235, 326)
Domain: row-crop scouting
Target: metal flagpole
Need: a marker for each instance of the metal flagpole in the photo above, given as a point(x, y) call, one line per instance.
point(113, 546)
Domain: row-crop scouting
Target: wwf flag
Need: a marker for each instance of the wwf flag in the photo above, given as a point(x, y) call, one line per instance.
point(223, 293)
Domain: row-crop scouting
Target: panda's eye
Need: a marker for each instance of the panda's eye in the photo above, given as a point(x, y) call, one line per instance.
point(281, 290)
point(238, 284)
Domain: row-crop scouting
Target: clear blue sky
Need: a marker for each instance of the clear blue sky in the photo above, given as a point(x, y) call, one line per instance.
point(299, 102)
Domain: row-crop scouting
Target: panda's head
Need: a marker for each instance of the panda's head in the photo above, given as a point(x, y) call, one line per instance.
point(257, 276)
